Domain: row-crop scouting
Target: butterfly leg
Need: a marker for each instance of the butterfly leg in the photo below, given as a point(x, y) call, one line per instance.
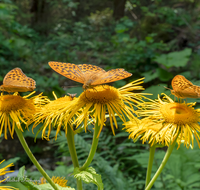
point(104, 87)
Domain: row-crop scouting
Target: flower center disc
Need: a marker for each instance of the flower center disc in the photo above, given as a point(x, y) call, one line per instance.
point(11, 103)
point(100, 94)
point(178, 113)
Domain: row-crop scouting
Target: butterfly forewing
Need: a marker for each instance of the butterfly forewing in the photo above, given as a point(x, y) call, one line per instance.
point(68, 70)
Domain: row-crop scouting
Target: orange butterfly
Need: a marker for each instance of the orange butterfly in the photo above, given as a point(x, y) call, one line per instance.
point(88, 75)
point(183, 88)
point(16, 81)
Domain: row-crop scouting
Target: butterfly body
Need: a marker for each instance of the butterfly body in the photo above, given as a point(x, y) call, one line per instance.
point(16, 81)
point(183, 88)
point(88, 75)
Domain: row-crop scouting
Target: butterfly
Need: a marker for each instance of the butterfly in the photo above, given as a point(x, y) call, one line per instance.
point(183, 88)
point(16, 81)
point(88, 75)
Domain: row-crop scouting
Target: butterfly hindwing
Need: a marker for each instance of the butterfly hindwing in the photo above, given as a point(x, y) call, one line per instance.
point(183, 88)
point(111, 76)
point(16, 81)
point(17, 78)
point(90, 68)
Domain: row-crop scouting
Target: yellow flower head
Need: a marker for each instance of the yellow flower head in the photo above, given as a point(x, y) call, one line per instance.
point(54, 114)
point(147, 130)
point(93, 103)
point(61, 181)
point(15, 109)
point(4, 171)
point(166, 121)
point(101, 100)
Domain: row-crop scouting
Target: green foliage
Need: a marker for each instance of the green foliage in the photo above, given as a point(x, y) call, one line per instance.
point(181, 170)
point(139, 45)
point(89, 176)
point(7, 162)
point(175, 59)
point(30, 185)
point(112, 160)
point(157, 89)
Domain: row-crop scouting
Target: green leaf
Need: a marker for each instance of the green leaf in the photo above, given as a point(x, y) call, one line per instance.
point(150, 75)
point(175, 59)
point(7, 162)
point(26, 181)
point(164, 75)
point(157, 89)
point(47, 186)
point(89, 176)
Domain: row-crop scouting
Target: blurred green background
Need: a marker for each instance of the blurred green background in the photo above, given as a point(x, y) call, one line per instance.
point(154, 39)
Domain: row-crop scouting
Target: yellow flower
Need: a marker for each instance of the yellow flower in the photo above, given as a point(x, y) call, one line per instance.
point(4, 171)
point(54, 114)
point(93, 103)
point(147, 130)
point(15, 110)
point(61, 181)
point(166, 121)
point(101, 100)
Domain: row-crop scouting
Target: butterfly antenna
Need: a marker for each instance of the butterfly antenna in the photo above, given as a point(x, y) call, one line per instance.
point(165, 87)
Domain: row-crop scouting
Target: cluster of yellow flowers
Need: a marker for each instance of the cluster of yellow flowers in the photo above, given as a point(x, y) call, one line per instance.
point(156, 121)
point(161, 121)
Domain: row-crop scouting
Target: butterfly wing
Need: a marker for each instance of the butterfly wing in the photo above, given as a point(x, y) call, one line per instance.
point(183, 88)
point(16, 80)
point(68, 70)
point(179, 82)
point(88, 70)
point(111, 76)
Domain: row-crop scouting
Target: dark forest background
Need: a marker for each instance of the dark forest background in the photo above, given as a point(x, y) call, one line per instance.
point(155, 39)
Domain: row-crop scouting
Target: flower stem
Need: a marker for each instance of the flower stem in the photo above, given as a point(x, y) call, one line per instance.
point(162, 165)
point(33, 159)
point(93, 147)
point(150, 164)
point(72, 150)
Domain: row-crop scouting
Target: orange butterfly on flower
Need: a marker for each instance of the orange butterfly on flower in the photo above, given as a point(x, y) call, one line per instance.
point(183, 88)
point(16, 81)
point(88, 75)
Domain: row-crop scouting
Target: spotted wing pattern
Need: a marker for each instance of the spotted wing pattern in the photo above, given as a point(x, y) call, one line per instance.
point(111, 76)
point(88, 74)
point(68, 70)
point(183, 88)
point(16, 81)
point(87, 69)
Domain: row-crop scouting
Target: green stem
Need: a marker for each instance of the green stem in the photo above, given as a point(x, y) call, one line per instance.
point(93, 147)
point(33, 159)
point(162, 165)
point(150, 164)
point(72, 150)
